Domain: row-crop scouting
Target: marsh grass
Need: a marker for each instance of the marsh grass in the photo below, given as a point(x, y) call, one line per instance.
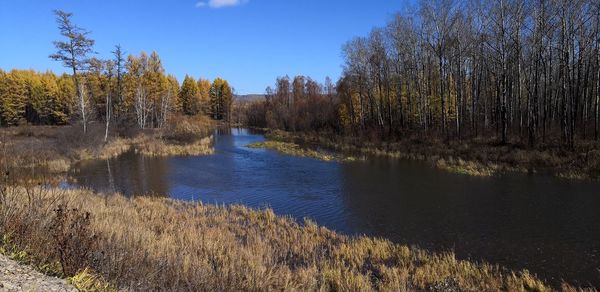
point(161, 244)
point(475, 157)
point(465, 167)
point(54, 149)
point(159, 147)
point(296, 150)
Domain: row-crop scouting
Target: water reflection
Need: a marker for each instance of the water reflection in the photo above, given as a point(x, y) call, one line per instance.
point(129, 174)
point(547, 225)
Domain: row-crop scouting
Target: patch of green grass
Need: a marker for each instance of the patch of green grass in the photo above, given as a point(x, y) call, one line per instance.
point(87, 280)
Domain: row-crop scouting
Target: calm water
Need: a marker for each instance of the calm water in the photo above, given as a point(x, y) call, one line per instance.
point(548, 225)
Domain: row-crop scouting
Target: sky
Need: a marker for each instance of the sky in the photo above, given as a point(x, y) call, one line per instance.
point(247, 42)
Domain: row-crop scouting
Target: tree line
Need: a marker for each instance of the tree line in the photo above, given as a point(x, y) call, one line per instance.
point(301, 104)
point(527, 70)
point(132, 90)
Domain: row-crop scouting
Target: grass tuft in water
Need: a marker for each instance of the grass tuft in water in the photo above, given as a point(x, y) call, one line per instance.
point(296, 150)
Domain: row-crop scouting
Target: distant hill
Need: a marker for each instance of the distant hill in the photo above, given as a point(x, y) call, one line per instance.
point(250, 97)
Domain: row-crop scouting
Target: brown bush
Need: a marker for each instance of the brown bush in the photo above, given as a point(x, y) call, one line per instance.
point(72, 238)
point(187, 129)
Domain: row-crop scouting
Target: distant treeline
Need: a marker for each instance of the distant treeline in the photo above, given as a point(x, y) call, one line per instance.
point(132, 90)
point(511, 69)
point(301, 104)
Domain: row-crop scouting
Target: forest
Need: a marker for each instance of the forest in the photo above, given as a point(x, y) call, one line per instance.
point(514, 71)
point(127, 90)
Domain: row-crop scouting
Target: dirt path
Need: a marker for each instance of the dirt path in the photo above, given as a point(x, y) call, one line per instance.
point(15, 277)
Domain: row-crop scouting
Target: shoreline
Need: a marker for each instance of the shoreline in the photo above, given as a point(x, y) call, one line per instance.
point(54, 150)
point(237, 247)
point(456, 157)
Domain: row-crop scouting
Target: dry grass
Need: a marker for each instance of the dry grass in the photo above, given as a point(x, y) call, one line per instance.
point(296, 150)
point(158, 147)
point(161, 244)
point(466, 167)
point(186, 129)
point(53, 149)
point(182, 136)
point(472, 157)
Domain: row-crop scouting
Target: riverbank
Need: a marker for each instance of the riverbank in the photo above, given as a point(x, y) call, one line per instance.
point(54, 149)
point(473, 157)
point(163, 244)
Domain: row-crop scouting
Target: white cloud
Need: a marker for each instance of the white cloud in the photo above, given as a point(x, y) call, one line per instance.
point(220, 3)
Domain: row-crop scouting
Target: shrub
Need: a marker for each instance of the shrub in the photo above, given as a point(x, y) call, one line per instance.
point(73, 239)
point(185, 129)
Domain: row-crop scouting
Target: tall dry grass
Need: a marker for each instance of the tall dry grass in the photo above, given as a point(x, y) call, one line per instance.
point(182, 136)
point(162, 244)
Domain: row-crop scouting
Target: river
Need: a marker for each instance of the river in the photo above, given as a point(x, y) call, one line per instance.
point(548, 225)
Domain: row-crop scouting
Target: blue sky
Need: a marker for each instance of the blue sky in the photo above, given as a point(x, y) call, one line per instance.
point(248, 42)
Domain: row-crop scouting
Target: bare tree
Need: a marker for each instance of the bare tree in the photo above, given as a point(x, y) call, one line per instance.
point(141, 106)
point(165, 103)
point(439, 17)
point(84, 104)
point(512, 70)
point(109, 92)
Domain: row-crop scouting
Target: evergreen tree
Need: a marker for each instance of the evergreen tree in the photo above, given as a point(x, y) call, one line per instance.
point(73, 52)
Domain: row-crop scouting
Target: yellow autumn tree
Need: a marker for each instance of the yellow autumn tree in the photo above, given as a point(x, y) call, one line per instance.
point(221, 99)
point(204, 91)
point(13, 89)
point(190, 96)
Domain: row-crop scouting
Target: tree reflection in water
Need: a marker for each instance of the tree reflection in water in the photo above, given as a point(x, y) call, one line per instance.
point(129, 174)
